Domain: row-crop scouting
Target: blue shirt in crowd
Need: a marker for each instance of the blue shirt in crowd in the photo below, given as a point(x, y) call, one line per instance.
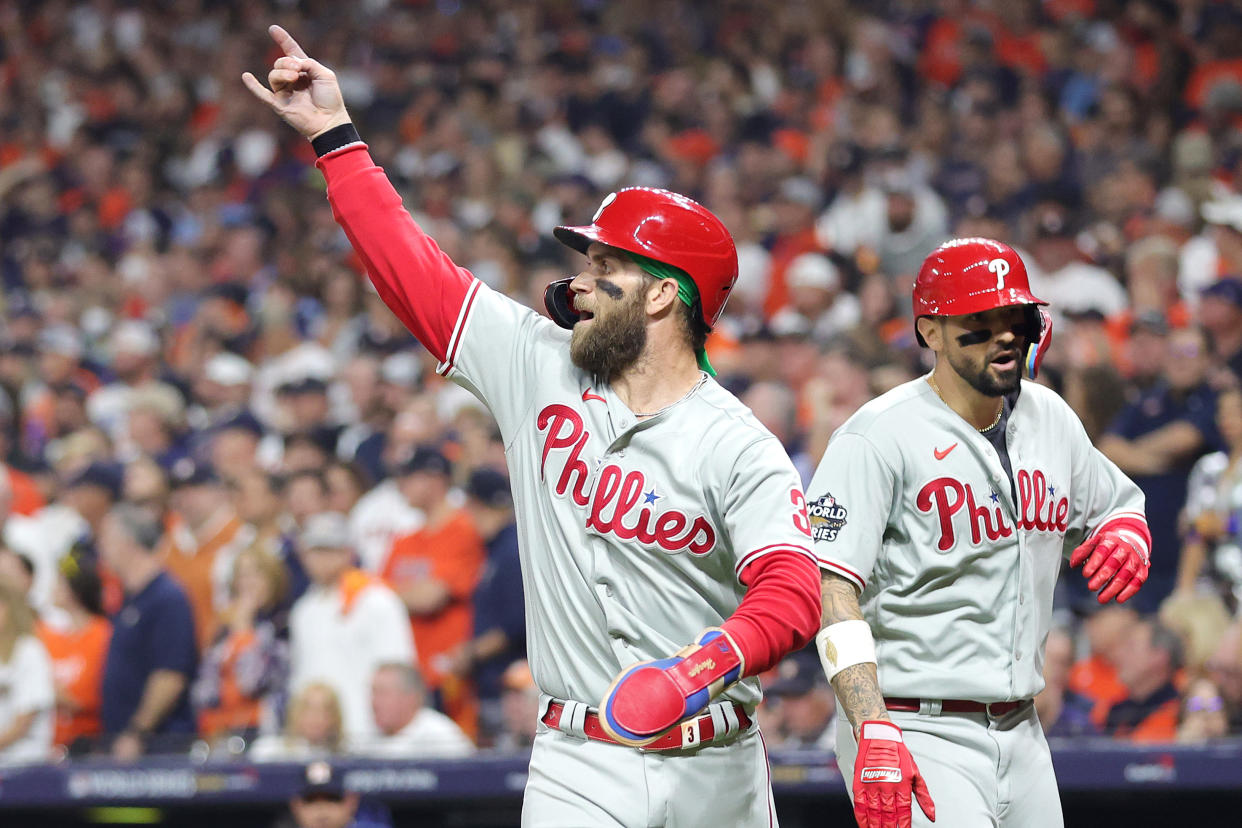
point(153, 631)
point(1155, 408)
point(499, 604)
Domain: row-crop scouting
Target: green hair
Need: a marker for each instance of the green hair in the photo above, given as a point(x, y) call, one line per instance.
point(687, 292)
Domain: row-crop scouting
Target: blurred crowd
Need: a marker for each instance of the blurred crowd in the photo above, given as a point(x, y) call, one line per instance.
point(242, 513)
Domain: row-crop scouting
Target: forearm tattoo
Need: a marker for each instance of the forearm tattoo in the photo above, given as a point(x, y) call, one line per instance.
point(857, 687)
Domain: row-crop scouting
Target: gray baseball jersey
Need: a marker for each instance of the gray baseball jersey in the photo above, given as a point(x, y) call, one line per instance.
point(912, 504)
point(633, 533)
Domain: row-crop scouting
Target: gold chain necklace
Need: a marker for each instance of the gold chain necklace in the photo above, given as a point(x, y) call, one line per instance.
point(1000, 409)
point(702, 379)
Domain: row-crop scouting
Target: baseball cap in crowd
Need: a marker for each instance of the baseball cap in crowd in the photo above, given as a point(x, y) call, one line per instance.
point(1228, 289)
point(813, 270)
point(801, 190)
point(228, 369)
point(106, 476)
point(401, 368)
point(63, 340)
point(426, 459)
point(489, 487)
point(303, 385)
point(1052, 222)
point(326, 530)
point(321, 780)
point(242, 421)
point(190, 472)
point(1225, 210)
point(133, 336)
point(795, 676)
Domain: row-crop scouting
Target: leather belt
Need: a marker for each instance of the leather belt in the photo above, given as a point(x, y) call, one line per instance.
point(688, 733)
point(955, 706)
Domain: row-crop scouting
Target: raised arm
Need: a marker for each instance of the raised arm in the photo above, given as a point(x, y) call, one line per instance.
point(416, 280)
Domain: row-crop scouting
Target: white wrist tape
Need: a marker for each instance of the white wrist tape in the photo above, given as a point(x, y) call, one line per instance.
point(844, 644)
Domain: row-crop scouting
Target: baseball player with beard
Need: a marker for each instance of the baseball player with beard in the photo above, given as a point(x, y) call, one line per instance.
point(664, 540)
point(941, 513)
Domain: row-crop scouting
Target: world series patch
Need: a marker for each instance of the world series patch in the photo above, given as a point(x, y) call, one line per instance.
point(827, 517)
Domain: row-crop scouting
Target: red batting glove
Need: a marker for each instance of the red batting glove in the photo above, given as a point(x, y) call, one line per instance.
point(884, 775)
point(1114, 559)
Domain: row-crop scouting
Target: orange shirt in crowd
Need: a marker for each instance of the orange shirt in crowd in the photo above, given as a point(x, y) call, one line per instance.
point(27, 499)
point(77, 668)
point(1159, 726)
point(236, 711)
point(190, 562)
point(453, 554)
point(1096, 679)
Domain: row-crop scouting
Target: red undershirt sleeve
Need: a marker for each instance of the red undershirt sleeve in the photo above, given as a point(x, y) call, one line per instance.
point(414, 277)
point(780, 611)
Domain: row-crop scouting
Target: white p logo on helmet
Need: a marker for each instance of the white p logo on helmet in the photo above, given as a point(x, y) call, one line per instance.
point(608, 199)
point(1001, 268)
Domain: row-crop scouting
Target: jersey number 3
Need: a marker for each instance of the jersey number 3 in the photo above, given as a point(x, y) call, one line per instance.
point(800, 521)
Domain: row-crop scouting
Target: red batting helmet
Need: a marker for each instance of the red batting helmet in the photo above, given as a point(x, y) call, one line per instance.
point(972, 275)
point(664, 226)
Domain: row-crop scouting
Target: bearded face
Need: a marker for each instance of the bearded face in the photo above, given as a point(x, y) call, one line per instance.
point(609, 340)
point(992, 367)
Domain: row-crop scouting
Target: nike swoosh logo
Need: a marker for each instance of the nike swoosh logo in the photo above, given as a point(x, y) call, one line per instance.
point(587, 395)
point(940, 455)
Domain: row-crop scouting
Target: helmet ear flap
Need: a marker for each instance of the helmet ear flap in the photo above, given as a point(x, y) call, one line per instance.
point(1038, 337)
point(559, 302)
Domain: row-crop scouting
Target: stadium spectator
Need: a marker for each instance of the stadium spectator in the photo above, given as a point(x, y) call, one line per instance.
point(313, 728)
point(407, 727)
point(266, 527)
point(76, 637)
point(806, 706)
point(1157, 438)
point(1200, 620)
point(153, 654)
point(347, 483)
point(499, 625)
point(41, 539)
point(242, 678)
point(519, 708)
point(17, 572)
point(27, 695)
point(1225, 669)
point(1203, 717)
point(818, 303)
point(1062, 712)
point(202, 542)
point(322, 801)
point(434, 570)
point(1060, 276)
point(306, 495)
point(1095, 676)
point(1147, 667)
point(1220, 310)
point(1213, 515)
point(347, 624)
point(134, 348)
point(233, 444)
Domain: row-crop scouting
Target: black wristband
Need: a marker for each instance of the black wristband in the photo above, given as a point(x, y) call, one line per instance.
point(335, 138)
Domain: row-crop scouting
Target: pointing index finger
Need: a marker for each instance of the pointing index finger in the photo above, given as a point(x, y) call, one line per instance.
point(286, 42)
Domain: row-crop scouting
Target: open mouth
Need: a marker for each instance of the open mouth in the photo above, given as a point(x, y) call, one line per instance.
point(1005, 361)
